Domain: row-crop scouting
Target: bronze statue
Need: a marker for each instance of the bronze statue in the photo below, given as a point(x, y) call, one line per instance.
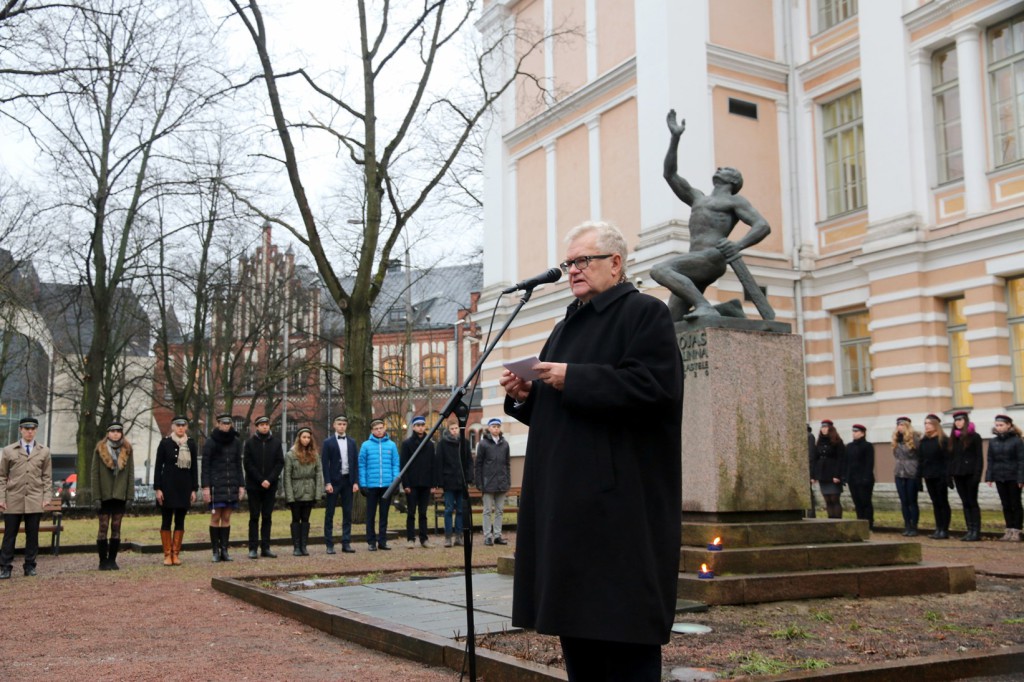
point(712, 219)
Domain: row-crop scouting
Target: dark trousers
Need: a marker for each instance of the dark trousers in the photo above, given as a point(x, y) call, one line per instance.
point(375, 501)
point(1009, 495)
point(588, 660)
point(342, 492)
point(967, 489)
point(861, 495)
point(907, 489)
point(12, 522)
point(301, 511)
point(939, 494)
point(261, 507)
point(418, 498)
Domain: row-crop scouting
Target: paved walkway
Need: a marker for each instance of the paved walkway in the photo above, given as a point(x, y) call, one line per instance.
point(436, 606)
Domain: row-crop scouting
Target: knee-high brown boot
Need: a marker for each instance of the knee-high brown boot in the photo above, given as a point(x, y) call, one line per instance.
point(176, 547)
point(165, 540)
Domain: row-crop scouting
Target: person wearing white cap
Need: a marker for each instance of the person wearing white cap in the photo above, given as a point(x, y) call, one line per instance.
point(418, 481)
point(493, 476)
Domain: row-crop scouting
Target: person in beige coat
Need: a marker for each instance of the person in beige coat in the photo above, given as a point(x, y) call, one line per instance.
point(26, 477)
point(113, 484)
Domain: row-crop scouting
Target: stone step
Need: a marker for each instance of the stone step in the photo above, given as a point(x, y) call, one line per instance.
point(807, 557)
point(882, 581)
point(804, 531)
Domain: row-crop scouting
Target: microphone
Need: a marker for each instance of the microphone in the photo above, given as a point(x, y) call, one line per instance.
point(552, 275)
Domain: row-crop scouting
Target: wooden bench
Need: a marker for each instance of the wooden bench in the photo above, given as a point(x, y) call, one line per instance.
point(511, 505)
point(55, 527)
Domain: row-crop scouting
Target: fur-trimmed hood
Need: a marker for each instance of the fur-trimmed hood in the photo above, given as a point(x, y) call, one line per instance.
point(104, 453)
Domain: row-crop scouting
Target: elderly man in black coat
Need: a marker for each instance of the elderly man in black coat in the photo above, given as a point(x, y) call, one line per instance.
point(597, 549)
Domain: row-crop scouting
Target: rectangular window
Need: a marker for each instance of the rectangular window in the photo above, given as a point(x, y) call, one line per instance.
point(1006, 83)
point(854, 345)
point(845, 182)
point(831, 12)
point(946, 100)
point(959, 353)
point(1015, 292)
point(742, 108)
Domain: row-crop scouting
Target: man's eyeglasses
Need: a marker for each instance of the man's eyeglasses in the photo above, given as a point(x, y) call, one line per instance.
point(581, 263)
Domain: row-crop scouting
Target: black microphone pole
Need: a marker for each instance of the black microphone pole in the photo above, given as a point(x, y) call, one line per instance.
point(457, 405)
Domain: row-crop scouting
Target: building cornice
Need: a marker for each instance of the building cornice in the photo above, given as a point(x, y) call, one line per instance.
point(579, 100)
point(844, 54)
point(931, 12)
point(747, 64)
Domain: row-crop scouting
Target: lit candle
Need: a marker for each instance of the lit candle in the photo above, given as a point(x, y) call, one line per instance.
point(715, 545)
point(704, 573)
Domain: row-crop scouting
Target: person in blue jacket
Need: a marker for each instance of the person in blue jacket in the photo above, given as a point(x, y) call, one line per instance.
point(378, 466)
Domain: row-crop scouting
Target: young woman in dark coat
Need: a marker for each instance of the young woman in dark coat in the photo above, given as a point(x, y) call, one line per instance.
point(860, 474)
point(965, 467)
point(175, 481)
point(1006, 470)
point(223, 482)
point(829, 468)
point(456, 475)
point(934, 450)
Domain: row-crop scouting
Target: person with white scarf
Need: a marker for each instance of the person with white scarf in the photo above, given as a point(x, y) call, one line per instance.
point(175, 481)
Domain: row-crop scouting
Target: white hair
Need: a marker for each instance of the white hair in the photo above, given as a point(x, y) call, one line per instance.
point(609, 239)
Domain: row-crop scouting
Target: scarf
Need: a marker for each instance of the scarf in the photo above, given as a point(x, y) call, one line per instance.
point(184, 460)
point(113, 454)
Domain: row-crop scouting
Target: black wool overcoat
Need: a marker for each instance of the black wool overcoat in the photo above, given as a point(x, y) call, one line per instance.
point(598, 536)
point(176, 483)
point(222, 466)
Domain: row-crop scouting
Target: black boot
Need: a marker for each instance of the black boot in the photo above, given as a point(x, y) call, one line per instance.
point(296, 529)
point(101, 549)
point(115, 544)
point(225, 536)
point(304, 538)
point(906, 529)
point(215, 542)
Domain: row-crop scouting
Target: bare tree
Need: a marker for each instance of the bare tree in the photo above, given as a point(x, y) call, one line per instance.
point(105, 130)
point(400, 165)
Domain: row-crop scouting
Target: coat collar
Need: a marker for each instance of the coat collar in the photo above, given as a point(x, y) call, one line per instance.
point(604, 300)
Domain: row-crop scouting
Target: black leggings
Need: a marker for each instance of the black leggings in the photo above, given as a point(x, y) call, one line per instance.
point(833, 507)
point(1009, 495)
point(177, 514)
point(939, 494)
point(301, 511)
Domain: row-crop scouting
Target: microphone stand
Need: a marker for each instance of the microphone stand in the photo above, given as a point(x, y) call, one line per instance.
point(457, 405)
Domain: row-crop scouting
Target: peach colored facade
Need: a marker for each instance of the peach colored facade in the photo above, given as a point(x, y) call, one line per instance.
point(886, 208)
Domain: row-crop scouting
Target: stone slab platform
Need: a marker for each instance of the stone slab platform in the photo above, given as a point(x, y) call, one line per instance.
point(808, 557)
point(804, 531)
point(884, 581)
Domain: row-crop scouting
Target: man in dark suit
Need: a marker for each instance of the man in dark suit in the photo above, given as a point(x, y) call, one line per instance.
point(340, 459)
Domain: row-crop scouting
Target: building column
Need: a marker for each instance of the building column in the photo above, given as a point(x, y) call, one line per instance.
point(672, 73)
point(893, 216)
point(972, 120)
point(594, 154)
point(551, 232)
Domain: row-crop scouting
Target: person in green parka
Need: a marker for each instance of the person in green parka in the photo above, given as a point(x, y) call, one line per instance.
point(303, 486)
point(113, 484)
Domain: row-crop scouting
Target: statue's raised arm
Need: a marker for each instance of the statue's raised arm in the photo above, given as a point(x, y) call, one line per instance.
point(679, 185)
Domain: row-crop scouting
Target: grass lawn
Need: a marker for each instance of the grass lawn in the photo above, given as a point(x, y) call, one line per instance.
point(145, 529)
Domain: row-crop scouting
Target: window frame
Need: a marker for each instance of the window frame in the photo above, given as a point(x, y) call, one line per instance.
point(942, 125)
point(1012, 61)
point(959, 373)
point(1015, 323)
point(845, 372)
point(834, 12)
point(847, 191)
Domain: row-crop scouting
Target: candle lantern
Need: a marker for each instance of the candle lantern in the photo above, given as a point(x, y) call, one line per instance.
point(705, 573)
point(715, 545)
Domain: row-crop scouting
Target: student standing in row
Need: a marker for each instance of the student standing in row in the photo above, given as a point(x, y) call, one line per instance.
point(378, 467)
point(965, 467)
point(1006, 471)
point(263, 460)
point(175, 481)
point(113, 484)
point(26, 474)
point(303, 487)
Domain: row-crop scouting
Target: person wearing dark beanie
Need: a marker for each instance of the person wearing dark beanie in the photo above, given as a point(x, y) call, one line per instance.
point(965, 467)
